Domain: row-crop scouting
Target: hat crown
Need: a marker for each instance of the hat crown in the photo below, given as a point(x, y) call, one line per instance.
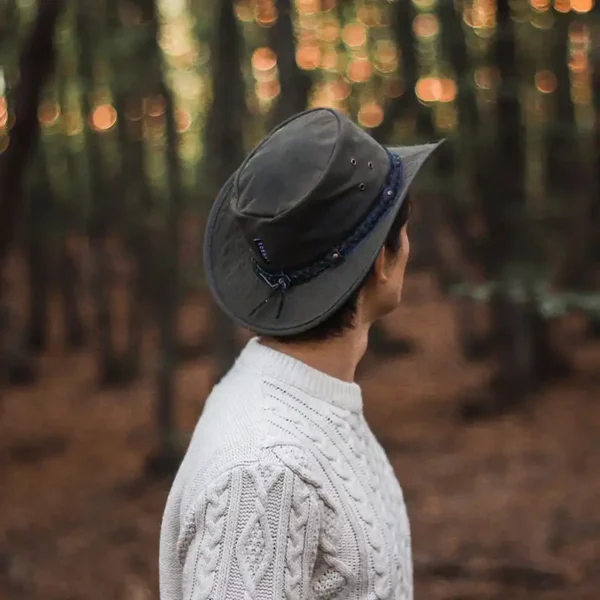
point(306, 187)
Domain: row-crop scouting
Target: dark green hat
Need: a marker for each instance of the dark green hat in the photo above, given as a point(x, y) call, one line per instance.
point(297, 227)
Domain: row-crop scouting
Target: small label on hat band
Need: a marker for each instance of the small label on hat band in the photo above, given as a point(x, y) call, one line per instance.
point(261, 249)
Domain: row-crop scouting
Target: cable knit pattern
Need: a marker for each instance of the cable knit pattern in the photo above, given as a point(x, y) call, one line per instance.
point(284, 494)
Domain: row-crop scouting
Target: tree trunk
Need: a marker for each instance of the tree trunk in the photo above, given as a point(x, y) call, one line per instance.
point(168, 454)
point(224, 140)
point(35, 65)
point(167, 310)
point(37, 271)
point(102, 209)
point(519, 334)
point(68, 281)
point(295, 84)
point(100, 283)
point(133, 189)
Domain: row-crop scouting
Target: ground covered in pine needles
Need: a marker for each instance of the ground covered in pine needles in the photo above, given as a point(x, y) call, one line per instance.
point(506, 508)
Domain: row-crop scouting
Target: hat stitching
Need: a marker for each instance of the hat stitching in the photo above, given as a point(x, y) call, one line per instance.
point(281, 281)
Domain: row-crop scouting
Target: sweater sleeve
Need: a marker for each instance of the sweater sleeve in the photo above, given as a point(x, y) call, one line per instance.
point(253, 535)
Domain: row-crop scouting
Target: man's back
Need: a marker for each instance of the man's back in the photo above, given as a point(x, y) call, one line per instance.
point(284, 493)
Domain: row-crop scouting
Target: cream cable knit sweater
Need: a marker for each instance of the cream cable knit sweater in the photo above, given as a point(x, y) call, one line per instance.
point(284, 494)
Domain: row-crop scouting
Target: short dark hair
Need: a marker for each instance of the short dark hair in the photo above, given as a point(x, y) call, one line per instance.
point(343, 319)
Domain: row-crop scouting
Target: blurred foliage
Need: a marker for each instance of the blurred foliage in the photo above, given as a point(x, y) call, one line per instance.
point(512, 86)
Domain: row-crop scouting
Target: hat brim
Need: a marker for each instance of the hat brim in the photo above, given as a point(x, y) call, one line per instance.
point(238, 290)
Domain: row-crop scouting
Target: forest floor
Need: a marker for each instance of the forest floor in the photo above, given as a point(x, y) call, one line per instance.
point(501, 509)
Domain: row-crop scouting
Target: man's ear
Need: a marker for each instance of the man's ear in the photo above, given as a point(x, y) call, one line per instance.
point(382, 266)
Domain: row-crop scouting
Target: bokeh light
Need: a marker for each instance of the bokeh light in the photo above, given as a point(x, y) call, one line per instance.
point(308, 7)
point(183, 120)
point(267, 90)
point(329, 31)
point(582, 6)
point(264, 61)
point(354, 35)
point(386, 56)
point(103, 117)
point(562, 6)
point(155, 106)
point(3, 112)
point(265, 12)
point(370, 115)
point(359, 70)
point(435, 89)
point(329, 60)
point(426, 26)
point(545, 81)
point(486, 78)
point(308, 56)
point(540, 5)
point(48, 113)
point(72, 123)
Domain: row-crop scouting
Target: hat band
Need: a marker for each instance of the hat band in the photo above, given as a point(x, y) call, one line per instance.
point(281, 281)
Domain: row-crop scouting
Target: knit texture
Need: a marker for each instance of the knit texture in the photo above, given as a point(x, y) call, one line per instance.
point(284, 494)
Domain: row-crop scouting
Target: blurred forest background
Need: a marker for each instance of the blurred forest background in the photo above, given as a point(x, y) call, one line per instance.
point(119, 121)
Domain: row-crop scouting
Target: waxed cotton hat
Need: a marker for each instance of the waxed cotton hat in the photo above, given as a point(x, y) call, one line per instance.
point(296, 229)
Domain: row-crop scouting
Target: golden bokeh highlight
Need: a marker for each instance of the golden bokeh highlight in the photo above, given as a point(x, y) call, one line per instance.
point(267, 90)
point(545, 82)
point(481, 16)
point(359, 70)
point(426, 26)
point(183, 120)
point(48, 113)
point(329, 60)
point(329, 31)
point(436, 89)
point(540, 5)
point(582, 6)
point(370, 15)
point(562, 6)
point(3, 112)
point(386, 56)
point(308, 7)
point(486, 78)
point(155, 106)
point(340, 90)
point(72, 123)
point(578, 61)
point(354, 35)
point(103, 117)
point(264, 61)
point(308, 56)
point(244, 11)
point(265, 12)
point(370, 115)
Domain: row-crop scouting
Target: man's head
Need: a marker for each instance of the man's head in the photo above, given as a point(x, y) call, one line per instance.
point(378, 294)
point(308, 237)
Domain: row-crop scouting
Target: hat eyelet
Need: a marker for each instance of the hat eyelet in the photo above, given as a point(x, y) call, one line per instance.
point(370, 164)
point(335, 255)
point(361, 186)
point(389, 193)
point(353, 162)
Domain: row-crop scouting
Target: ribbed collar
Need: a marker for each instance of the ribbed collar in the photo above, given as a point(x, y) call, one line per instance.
point(287, 369)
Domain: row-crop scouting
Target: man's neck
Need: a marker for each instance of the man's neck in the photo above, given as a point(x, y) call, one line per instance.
point(337, 357)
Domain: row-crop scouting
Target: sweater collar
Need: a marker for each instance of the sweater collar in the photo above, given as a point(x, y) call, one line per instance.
point(287, 369)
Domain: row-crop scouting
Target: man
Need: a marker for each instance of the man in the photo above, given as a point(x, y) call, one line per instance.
point(284, 492)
